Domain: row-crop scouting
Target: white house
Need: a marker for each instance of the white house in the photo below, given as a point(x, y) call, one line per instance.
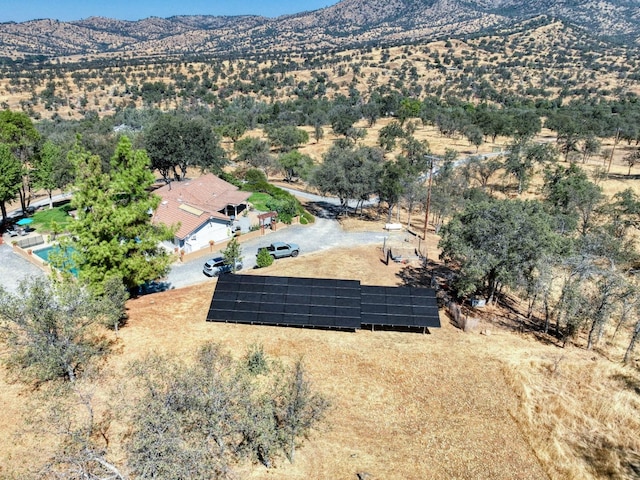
point(204, 209)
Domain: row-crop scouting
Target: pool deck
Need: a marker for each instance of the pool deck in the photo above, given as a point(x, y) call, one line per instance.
point(27, 254)
point(16, 267)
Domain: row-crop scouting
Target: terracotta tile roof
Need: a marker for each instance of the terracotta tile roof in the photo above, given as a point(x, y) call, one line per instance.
point(207, 194)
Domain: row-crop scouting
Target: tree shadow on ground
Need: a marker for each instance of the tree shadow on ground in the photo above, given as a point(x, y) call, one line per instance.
point(429, 274)
point(152, 287)
point(620, 176)
point(506, 314)
point(323, 210)
point(628, 382)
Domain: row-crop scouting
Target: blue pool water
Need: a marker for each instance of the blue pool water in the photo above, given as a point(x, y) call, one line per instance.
point(68, 263)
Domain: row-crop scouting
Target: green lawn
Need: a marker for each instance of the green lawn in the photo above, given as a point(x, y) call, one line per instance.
point(46, 220)
point(259, 200)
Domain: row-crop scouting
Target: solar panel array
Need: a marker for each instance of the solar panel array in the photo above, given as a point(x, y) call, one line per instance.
point(395, 307)
point(320, 303)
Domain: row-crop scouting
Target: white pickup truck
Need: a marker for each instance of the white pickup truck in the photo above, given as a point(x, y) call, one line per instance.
point(281, 249)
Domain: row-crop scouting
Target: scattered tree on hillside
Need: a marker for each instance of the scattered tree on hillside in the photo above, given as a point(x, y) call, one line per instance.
point(318, 120)
point(19, 134)
point(391, 185)
point(590, 146)
point(295, 164)
point(632, 343)
point(175, 143)
point(342, 118)
point(255, 152)
point(233, 130)
point(389, 134)
point(286, 138)
point(416, 151)
point(51, 330)
point(474, 136)
point(447, 192)
point(297, 408)
point(198, 420)
point(51, 170)
point(409, 108)
point(492, 242)
point(83, 435)
point(521, 159)
point(572, 198)
point(610, 285)
point(482, 170)
point(349, 173)
point(524, 124)
point(623, 212)
point(632, 159)
point(592, 285)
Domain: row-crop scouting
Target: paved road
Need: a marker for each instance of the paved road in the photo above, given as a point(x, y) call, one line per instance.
point(14, 268)
point(322, 235)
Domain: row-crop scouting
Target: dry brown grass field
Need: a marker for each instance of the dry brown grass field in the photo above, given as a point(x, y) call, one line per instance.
point(495, 403)
point(500, 405)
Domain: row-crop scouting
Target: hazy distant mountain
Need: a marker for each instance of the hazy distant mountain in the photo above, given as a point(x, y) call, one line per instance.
point(348, 23)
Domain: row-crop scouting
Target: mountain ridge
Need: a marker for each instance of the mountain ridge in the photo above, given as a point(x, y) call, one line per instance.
point(346, 24)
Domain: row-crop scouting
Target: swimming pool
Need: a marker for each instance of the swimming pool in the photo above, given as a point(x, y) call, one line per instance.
point(67, 263)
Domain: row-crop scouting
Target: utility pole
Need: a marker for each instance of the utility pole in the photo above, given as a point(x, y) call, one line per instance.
point(432, 160)
point(615, 142)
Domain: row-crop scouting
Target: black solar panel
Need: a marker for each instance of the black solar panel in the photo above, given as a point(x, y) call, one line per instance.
point(386, 307)
point(321, 303)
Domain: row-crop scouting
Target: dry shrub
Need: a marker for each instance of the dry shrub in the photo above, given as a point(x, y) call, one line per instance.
point(581, 415)
point(461, 320)
point(454, 312)
point(469, 324)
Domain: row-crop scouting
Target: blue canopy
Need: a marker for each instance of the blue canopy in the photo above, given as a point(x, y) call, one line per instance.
point(24, 221)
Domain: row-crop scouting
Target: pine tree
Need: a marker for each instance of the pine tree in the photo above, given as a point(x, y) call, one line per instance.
point(233, 254)
point(114, 236)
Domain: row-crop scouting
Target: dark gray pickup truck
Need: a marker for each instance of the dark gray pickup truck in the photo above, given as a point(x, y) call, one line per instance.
point(281, 249)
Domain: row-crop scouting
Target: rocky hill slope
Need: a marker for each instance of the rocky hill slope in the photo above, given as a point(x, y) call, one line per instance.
point(346, 24)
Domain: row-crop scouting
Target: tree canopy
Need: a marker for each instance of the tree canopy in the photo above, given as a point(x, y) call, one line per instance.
point(51, 169)
point(10, 178)
point(199, 420)
point(175, 143)
point(348, 172)
point(492, 242)
point(295, 164)
point(52, 330)
point(113, 235)
point(20, 135)
point(287, 137)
